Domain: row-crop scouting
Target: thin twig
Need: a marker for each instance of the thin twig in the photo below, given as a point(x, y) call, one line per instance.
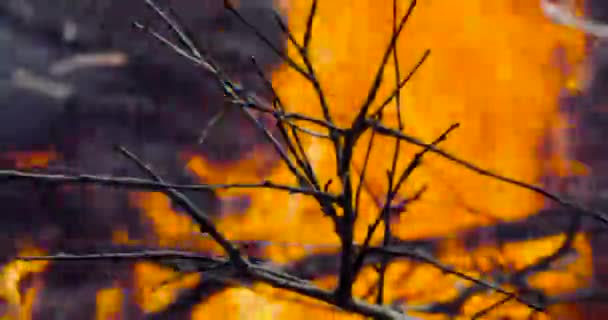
point(205, 223)
point(517, 278)
point(597, 214)
point(420, 256)
point(277, 146)
point(371, 96)
point(344, 153)
point(137, 255)
point(396, 92)
point(363, 171)
point(386, 212)
point(295, 147)
point(313, 78)
point(210, 124)
point(176, 28)
point(149, 185)
point(309, 26)
point(308, 131)
point(342, 296)
point(266, 41)
point(285, 29)
point(493, 306)
point(231, 89)
point(292, 116)
point(414, 163)
point(177, 49)
point(417, 159)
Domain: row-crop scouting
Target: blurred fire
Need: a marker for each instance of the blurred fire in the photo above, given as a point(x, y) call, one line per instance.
point(157, 287)
point(490, 70)
point(20, 302)
point(30, 159)
point(109, 304)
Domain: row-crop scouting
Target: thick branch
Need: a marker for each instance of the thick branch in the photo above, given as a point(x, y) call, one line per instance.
point(256, 272)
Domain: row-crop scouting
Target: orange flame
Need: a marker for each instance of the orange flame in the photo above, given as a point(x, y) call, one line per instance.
point(109, 303)
point(157, 287)
point(20, 305)
point(490, 70)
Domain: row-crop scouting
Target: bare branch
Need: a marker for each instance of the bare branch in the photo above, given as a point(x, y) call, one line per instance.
point(176, 28)
point(363, 171)
point(175, 47)
point(255, 272)
point(599, 215)
point(137, 255)
point(386, 212)
point(517, 278)
point(231, 89)
point(266, 41)
point(362, 115)
point(309, 25)
point(417, 160)
point(420, 256)
point(205, 223)
point(493, 306)
point(351, 255)
point(313, 79)
point(281, 114)
point(210, 124)
point(148, 185)
point(285, 30)
point(401, 84)
point(299, 153)
point(414, 163)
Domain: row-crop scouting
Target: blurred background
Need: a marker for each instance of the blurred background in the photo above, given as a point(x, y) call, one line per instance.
point(76, 79)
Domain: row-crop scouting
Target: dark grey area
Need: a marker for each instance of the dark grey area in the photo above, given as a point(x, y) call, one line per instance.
point(156, 105)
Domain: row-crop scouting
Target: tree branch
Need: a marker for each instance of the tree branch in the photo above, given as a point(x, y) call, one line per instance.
point(384, 130)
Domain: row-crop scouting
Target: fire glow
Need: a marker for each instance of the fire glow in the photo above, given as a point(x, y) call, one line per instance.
point(490, 69)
